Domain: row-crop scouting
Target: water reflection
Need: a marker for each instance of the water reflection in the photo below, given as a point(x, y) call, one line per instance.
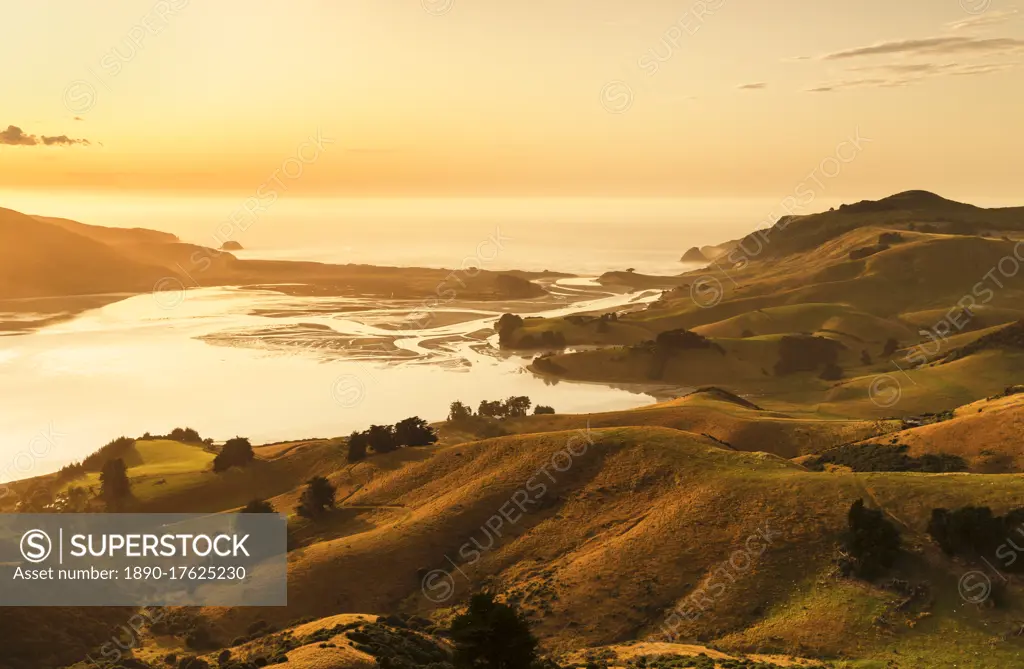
point(270, 367)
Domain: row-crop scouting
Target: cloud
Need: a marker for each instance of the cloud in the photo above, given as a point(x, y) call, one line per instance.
point(983, 20)
point(753, 87)
point(15, 136)
point(904, 74)
point(932, 46)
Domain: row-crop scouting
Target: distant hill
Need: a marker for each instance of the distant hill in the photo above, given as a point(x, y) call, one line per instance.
point(115, 236)
point(43, 257)
point(39, 258)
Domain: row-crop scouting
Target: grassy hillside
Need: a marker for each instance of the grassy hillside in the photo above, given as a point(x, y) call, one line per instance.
point(637, 523)
point(895, 283)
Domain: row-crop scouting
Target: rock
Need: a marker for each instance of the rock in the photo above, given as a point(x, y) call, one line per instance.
point(231, 246)
point(694, 255)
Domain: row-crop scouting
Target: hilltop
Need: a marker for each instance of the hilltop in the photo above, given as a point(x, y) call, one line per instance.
point(813, 311)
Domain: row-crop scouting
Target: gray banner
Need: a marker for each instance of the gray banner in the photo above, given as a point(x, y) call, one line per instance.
point(112, 559)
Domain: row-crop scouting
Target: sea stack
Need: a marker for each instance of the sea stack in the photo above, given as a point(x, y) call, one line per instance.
point(231, 246)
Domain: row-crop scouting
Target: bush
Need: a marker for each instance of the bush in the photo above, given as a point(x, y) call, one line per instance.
point(491, 635)
point(974, 532)
point(258, 506)
point(316, 498)
point(543, 409)
point(885, 458)
point(872, 542)
point(237, 452)
point(802, 353)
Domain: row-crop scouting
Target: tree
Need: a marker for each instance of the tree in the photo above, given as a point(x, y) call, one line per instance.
point(865, 357)
point(414, 431)
point(543, 409)
point(115, 487)
point(491, 408)
point(357, 444)
point(316, 498)
point(891, 346)
point(381, 438)
point(258, 506)
point(871, 541)
point(506, 325)
point(459, 411)
point(237, 452)
point(517, 406)
point(492, 635)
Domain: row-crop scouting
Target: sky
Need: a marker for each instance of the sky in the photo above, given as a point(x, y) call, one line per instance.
point(713, 98)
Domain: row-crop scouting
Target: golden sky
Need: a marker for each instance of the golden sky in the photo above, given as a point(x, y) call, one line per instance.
point(710, 98)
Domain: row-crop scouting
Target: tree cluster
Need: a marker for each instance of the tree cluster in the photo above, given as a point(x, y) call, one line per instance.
point(516, 406)
point(975, 532)
point(413, 431)
point(885, 458)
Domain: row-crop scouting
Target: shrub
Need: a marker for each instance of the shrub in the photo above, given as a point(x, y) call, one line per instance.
point(258, 506)
point(543, 409)
point(492, 635)
point(316, 498)
point(872, 542)
point(885, 458)
point(237, 452)
point(803, 353)
point(974, 532)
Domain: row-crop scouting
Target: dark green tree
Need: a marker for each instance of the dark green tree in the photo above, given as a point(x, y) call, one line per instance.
point(237, 452)
point(115, 487)
point(459, 411)
point(316, 499)
point(543, 409)
point(357, 444)
point(491, 409)
point(492, 635)
point(517, 406)
point(414, 431)
point(871, 541)
point(381, 438)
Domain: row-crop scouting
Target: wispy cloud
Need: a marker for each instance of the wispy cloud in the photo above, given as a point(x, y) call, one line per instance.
point(896, 75)
point(932, 46)
point(753, 87)
point(15, 136)
point(990, 18)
